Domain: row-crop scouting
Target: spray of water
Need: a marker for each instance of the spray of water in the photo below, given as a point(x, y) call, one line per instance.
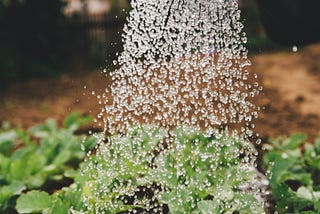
point(184, 65)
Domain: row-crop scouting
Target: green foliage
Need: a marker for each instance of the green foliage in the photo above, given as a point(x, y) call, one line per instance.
point(60, 202)
point(39, 157)
point(33, 202)
point(195, 173)
point(127, 174)
point(294, 174)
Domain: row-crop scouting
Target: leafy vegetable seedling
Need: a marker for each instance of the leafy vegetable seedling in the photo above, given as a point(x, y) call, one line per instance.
point(294, 174)
point(38, 158)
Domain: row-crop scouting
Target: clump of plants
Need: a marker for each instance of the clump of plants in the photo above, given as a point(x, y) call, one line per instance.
point(294, 174)
point(138, 173)
point(39, 159)
point(194, 173)
point(145, 170)
point(52, 170)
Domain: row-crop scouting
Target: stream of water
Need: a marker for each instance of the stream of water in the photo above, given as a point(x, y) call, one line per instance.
point(184, 64)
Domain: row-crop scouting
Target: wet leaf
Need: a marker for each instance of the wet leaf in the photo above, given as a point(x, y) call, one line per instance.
point(34, 202)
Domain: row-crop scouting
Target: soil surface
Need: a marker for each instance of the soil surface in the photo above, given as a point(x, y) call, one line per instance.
point(290, 101)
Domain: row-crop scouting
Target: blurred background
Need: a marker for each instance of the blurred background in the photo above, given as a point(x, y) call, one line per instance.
point(40, 38)
point(52, 53)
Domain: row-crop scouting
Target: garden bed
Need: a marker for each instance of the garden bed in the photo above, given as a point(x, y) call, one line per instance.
point(41, 170)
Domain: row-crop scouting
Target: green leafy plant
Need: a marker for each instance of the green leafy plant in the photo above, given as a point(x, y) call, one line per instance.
point(205, 172)
point(294, 168)
point(38, 158)
point(194, 173)
point(64, 201)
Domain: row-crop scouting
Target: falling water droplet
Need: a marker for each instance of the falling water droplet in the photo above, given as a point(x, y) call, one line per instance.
point(295, 48)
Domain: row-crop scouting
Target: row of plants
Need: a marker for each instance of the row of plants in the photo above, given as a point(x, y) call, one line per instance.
point(40, 159)
point(294, 174)
point(48, 170)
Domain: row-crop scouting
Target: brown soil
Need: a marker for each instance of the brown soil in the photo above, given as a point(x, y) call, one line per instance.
point(289, 103)
point(291, 99)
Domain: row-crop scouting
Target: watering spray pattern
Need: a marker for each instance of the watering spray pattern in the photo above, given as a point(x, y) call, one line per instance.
point(184, 65)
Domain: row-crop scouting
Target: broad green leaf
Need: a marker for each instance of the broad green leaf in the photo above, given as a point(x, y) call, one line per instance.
point(87, 189)
point(209, 207)
point(279, 168)
point(23, 152)
point(309, 149)
point(7, 140)
point(76, 120)
point(71, 119)
point(62, 158)
point(245, 203)
point(4, 165)
point(44, 130)
point(313, 162)
point(49, 148)
point(24, 136)
point(39, 132)
point(307, 193)
point(36, 162)
point(295, 141)
point(226, 193)
point(5, 194)
point(74, 196)
point(90, 143)
point(304, 178)
point(8, 136)
point(71, 173)
point(58, 207)
point(167, 197)
point(317, 205)
point(35, 181)
point(171, 199)
point(51, 125)
point(271, 157)
point(19, 169)
point(57, 177)
point(28, 165)
point(50, 169)
point(299, 204)
point(15, 188)
point(34, 202)
point(316, 195)
point(295, 153)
